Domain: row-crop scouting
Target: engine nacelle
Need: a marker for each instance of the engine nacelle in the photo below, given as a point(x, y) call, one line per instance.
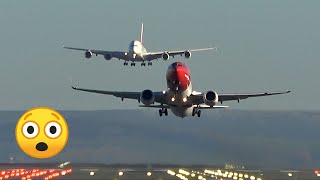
point(187, 54)
point(210, 98)
point(88, 54)
point(147, 97)
point(108, 56)
point(165, 56)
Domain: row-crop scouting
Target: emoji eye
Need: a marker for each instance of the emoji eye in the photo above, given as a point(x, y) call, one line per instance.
point(53, 129)
point(30, 129)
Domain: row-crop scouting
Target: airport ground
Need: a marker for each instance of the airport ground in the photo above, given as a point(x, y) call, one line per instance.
point(144, 172)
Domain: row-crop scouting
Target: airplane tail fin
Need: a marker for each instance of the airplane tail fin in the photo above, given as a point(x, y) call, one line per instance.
point(141, 34)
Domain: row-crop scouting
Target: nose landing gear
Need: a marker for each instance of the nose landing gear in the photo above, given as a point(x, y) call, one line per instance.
point(196, 111)
point(163, 111)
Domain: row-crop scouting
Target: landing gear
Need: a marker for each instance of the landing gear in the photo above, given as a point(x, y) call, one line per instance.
point(125, 63)
point(196, 111)
point(133, 64)
point(144, 64)
point(163, 111)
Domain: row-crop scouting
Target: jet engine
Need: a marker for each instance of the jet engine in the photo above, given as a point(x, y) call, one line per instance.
point(210, 98)
point(187, 54)
point(88, 54)
point(165, 56)
point(147, 97)
point(108, 56)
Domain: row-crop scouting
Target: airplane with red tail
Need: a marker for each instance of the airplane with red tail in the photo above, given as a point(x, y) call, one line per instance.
point(179, 96)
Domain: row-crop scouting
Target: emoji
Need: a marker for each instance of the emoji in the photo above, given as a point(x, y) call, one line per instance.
point(42, 132)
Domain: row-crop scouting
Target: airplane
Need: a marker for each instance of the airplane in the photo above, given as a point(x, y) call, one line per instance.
point(179, 96)
point(137, 53)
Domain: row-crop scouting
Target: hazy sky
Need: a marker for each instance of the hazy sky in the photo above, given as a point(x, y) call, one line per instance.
point(263, 45)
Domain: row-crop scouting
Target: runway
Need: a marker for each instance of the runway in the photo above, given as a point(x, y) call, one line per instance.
point(145, 172)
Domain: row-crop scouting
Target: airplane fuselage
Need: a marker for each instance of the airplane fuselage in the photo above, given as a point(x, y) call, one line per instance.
point(179, 89)
point(136, 51)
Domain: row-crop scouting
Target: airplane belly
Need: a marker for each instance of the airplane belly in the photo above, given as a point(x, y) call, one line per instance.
point(182, 111)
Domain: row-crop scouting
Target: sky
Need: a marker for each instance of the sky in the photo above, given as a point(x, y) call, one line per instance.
point(262, 46)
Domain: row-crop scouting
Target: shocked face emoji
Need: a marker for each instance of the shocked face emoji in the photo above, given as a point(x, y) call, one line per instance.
point(42, 132)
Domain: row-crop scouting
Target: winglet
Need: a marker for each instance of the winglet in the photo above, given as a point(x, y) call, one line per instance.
point(73, 87)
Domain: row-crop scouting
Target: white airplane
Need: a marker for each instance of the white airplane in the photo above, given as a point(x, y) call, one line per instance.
point(179, 96)
point(137, 53)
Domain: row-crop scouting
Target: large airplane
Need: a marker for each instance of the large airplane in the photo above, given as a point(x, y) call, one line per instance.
point(179, 96)
point(137, 53)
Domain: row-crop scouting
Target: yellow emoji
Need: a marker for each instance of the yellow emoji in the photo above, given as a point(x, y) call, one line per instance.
point(42, 132)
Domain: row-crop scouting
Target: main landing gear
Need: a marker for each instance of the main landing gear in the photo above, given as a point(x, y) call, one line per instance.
point(144, 64)
point(196, 111)
point(163, 111)
point(126, 63)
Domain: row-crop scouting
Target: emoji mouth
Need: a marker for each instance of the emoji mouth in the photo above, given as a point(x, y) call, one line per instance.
point(41, 146)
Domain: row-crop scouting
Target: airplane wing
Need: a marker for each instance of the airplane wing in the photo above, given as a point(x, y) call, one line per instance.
point(159, 97)
point(236, 97)
point(115, 54)
point(200, 107)
point(156, 55)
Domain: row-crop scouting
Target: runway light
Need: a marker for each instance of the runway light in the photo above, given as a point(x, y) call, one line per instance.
point(318, 175)
point(246, 176)
point(289, 174)
point(173, 99)
point(193, 175)
point(252, 177)
point(149, 173)
point(181, 171)
point(120, 173)
point(259, 179)
point(91, 173)
point(200, 177)
point(240, 175)
point(171, 172)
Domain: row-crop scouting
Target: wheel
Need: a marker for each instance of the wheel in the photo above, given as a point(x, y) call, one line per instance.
point(160, 112)
point(166, 111)
point(199, 113)
point(149, 63)
point(193, 111)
